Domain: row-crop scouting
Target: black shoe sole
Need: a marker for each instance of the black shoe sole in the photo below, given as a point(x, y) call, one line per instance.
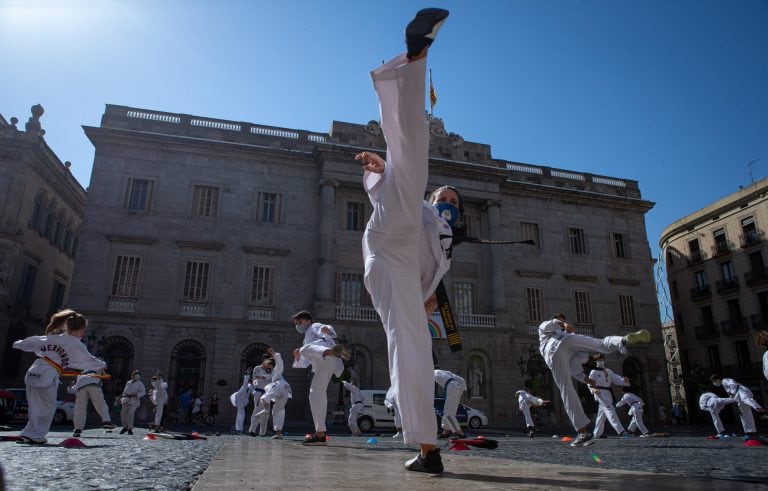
point(420, 27)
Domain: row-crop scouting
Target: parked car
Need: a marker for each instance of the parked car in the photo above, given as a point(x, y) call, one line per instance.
point(65, 410)
point(377, 416)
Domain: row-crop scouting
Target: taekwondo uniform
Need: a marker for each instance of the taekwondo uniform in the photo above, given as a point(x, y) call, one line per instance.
point(454, 386)
point(604, 378)
point(636, 411)
point(131, 400)
point(525, 401)
point(746, 402)
point(323, 367)
point(713, 405)
point(406, 245)
point(159, 398)
point(239, 399)
point(559, 348)
point(389, 401)
point(355, 408)
point(260, 379)
point(55, 353)
point(278, 391)
point(86, 388)
point(765, 365)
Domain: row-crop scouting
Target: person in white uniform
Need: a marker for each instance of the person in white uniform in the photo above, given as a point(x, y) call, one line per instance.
point(454, 386)
point(133, 391)
point(761, 338)
point(239, 400)
point(389, 402)
point(525, 401)
point(88, 388)
point(745, 401)
point(558, 344)
point(158, 394)
point(604, 378)
point(277, 392)
point(406, 244)
point(321, 351)
point(635, 411)
point(355, 408)
point(712, 404)
point(260, 377)
point(59, 349)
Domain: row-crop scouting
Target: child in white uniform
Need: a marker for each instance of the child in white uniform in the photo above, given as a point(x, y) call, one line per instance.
point(260, 377)
point(87, 388)
point(761, 338)
point(744, 399)
point(713, 405)
point(355, 408)
point(239, 399)
point(604, 378)
point(406, 244)
point(60, 348)
point(158, 394)
point(454, 386)
point(276, 392)
point(525, 401)
point(389, 402)
point(635, 410)
point(131, 400)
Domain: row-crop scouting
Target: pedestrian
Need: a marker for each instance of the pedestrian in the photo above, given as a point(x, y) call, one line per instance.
point(559, 345)
point(355, 408)
point(57, 350)
point(761, 338)
point(713, 405)
point(197, 406)
point(453, 386)
point(745, 401)
point(635, 411)
point(321, 351)
point(525, 401)
point(133, 391)
point(389, 402)
point(184, 402)
point(406, 244)
point(604, 378)
point(158, 394)
point(88, 388)
point(675, 412)
point(277, 392)
point(260, 377)
point(662, 414)
point(239, 400)
point(213, 407)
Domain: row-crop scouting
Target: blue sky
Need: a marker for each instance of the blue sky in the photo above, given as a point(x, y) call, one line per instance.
point(673, 94)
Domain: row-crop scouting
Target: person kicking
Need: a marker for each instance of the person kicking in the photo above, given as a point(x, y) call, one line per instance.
point(525, 401)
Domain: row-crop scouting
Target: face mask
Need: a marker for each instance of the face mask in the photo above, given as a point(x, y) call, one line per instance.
point(716, 384)
point(302, 328)
point(600, 364)
point(136, 377)
point(448, 212)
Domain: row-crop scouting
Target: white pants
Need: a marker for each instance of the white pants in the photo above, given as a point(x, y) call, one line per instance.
point(526, 410)
point(716, 420)
point(562, 367)
point(41, 403)
point(747, 418)
point(278, 412)
point(452, 398)
point(354, 414)
point(240, 418)
point(159, 409)
point(127, 414)
point(96, 396)
point(259, 420)
point(606, 411)
point(637, 422)
point(393, 237)
point(322, 368)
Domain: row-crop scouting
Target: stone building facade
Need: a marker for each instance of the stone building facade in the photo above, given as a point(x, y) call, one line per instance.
point(718, 281)
point(41, 211)
point(202, 237)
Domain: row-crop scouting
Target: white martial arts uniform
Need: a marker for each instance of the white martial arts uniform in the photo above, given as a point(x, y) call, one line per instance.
point(713, 405)
point(42, 378)
point(454, 386)
point(405, 244)
point(525, 401)
point(765, 365)
point(131, 400)
point(159, 398)
point(277, 392)
point(88, 388)
point(746, 402)
point(389, 401)
point(604, 378)
point(635, 410)
point(559, 348)
point(260, 379)
point(323, 367)
point(355, 408)
point(239, 399)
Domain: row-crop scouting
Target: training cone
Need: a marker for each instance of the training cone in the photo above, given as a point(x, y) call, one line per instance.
point(372, 440)
point(712, 437)
point(458, 446)
point(150, 436)
point(752, 443)
point(328, 438)
point(72, 443)
point(308, 435)
point(566, 439)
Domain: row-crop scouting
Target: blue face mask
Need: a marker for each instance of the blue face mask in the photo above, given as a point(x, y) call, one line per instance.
point(448, 212)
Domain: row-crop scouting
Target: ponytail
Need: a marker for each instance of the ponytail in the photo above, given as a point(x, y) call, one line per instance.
point(64, 321)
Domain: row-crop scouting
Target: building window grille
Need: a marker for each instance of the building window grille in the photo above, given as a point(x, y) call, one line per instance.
point(125, 279)
point(355, 216)
point(139, 194)
point(206, 201)
point(196, 281)
point(263, 286)
point(583, 308)
point(576, 239)
point(535, 304)
point(627, 310)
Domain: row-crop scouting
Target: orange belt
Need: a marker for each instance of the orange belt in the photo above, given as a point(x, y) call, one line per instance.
point(71, 373)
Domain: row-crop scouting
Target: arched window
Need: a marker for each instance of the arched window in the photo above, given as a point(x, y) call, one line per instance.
point(359, 366)
point(252, 356)
point(633, 368)
point(117, 351)
point(187, 367)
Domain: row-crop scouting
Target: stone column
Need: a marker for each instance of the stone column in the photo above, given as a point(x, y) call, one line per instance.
point(326, 260)
point(498, 296)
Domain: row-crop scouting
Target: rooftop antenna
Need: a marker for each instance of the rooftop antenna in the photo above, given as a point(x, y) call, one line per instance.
point(749, 166)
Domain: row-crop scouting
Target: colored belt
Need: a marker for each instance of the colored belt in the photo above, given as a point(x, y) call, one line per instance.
point(70, 373)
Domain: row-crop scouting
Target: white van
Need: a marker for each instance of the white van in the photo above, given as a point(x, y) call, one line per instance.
point(375, 414)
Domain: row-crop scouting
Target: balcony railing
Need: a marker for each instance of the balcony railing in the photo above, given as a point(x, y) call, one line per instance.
point(722, 247)
point(701, 292)
point(193, 309)
point(751, 238)
point(261, 313)
point(734, 326)
point(696, 258)
point(727, 286)
point(117, 304)
point(353, 313)
point(706, 332)
point(756, 277)
point(476, 320)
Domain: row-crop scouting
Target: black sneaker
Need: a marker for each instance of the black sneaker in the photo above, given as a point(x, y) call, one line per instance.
point(252, 433)
point(277, 436)
point(422, 30)
point(108, 426)
point(341, 351)
point(583, 440)
point(431, 464)
point(530, 434)
point(124, 430)
point(130, 432)
point(77, 433)
point(315, 441)
point(625, 434)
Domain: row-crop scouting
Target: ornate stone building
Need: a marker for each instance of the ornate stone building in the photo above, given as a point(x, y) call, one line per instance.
point(202, 237)
point(41, 210)
point(718, 281)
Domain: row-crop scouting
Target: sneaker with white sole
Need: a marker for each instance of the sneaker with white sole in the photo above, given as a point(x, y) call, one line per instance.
point(341, 351)
point(641, 336)
point(77, 433)
point(422, 30)
point(583, 440)
point(397, 435)
point(431, 464)
point(315, 441)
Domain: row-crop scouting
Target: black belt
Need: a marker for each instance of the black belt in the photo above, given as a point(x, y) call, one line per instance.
point(257, 389)
point(357, 402)
point(451, 329)
point(448, 382)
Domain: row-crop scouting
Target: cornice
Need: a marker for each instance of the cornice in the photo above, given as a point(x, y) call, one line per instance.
point(265, 251)
point(131, 239)
point(202, 245)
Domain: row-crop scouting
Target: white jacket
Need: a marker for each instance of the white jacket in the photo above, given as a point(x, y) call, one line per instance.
point(442, 377)
point(525, 400)
point(635, 403)
point(64, 349)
